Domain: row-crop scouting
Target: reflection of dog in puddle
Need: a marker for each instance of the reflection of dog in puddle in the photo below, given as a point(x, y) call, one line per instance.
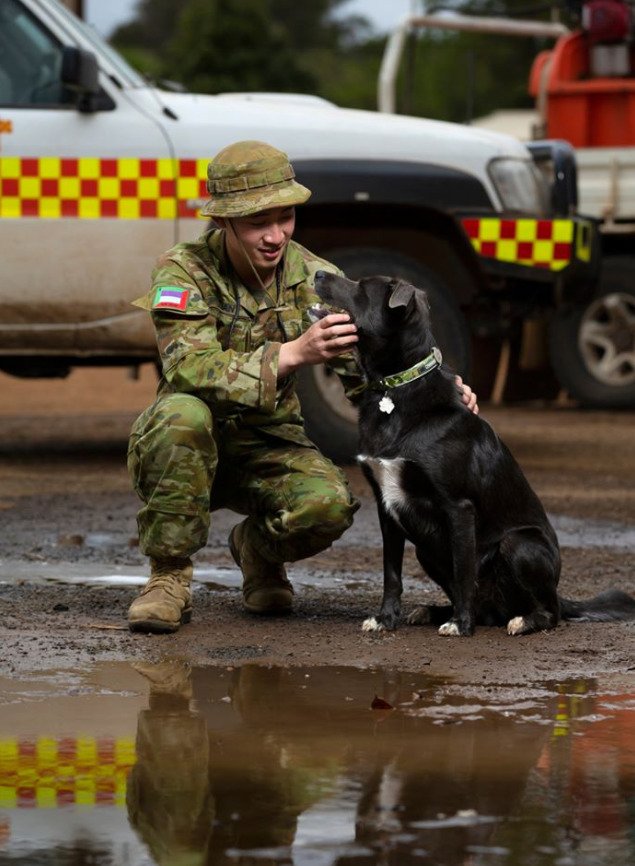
point(444, 480)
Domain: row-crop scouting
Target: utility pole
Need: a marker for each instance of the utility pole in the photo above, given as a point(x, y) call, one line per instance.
point(76, 6)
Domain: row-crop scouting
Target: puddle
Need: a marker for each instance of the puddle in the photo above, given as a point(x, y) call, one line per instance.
point(572, 532)
point(92, 574)
point(163, 764)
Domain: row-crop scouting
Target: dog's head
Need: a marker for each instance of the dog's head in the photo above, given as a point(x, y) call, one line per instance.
point(392, 316)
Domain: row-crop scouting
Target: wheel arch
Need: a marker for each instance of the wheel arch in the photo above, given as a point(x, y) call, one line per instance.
point(430, 237)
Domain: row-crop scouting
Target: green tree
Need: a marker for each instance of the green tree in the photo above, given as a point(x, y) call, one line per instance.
point(315, 25)
point(459, 76)
point(293, 46)
point(153, 24)
point(234, 45)
point(231, 45)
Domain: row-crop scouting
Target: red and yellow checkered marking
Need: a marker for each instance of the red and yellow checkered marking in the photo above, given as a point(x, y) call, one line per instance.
point(534, 243)
point(91, 188)
point(47, 773)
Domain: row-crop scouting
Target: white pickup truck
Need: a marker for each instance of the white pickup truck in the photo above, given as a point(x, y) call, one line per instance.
point(101, 172)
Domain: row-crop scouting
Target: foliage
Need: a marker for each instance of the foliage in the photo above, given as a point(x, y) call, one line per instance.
point(232, 45)
point(348, 76)
point(459, 76)
point(292, 46)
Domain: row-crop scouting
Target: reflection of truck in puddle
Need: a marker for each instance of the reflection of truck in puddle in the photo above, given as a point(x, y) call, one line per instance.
point(67, 745)
point(101, 172)
point(230, 763)
point(589, 770)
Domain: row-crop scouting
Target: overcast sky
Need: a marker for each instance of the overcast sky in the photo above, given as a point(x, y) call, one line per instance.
point(105, 15)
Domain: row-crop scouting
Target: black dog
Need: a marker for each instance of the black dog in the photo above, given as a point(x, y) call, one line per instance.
point(445, 481)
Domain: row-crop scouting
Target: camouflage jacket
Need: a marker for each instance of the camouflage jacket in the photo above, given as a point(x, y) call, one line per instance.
point(217, 340)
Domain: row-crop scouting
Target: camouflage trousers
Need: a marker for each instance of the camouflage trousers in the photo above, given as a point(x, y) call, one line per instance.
point(183, 465)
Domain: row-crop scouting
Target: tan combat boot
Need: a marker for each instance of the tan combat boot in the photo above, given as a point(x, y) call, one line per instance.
point(166, 600)
point(266, 588)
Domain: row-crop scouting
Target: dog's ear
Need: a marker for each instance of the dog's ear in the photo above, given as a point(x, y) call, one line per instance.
point(401, 295)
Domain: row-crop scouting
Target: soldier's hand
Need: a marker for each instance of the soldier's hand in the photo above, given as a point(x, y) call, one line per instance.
point(467, 395)
point(326, 339)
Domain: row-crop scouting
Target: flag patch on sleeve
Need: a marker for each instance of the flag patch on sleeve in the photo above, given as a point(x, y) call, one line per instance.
point(170, 298)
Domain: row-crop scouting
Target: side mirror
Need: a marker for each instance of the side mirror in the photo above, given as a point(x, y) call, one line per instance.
point(80, 73)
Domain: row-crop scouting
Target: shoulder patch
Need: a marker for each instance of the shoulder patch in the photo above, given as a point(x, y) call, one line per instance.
point(170, 298)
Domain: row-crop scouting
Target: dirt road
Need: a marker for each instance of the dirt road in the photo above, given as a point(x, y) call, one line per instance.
point(67, 511)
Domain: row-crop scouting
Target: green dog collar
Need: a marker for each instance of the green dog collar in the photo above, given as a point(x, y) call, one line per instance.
point(421, 368)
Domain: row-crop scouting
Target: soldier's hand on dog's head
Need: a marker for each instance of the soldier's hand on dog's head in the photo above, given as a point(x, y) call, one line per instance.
point(329, 337)
point(467, 395)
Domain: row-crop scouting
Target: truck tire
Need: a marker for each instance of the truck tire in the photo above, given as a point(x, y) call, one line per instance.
point(330, 419)
point(593, 346)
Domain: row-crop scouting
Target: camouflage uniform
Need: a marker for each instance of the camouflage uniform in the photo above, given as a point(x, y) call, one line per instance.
point(223, 432)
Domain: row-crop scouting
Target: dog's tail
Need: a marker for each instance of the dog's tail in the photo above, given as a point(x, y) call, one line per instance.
point(610, 606)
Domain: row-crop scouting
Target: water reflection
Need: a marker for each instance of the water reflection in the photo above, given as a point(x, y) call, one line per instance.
point(175, 766)
point(276, 766)
point(169, 798)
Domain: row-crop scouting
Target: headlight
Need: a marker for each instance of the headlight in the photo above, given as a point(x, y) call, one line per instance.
point(519, 186)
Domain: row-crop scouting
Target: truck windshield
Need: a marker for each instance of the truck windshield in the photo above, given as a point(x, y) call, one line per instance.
point(131, 76)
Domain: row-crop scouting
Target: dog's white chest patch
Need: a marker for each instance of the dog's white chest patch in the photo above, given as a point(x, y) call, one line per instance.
point(387, 473)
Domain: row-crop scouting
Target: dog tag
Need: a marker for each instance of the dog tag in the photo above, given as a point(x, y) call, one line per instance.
point(386, 405)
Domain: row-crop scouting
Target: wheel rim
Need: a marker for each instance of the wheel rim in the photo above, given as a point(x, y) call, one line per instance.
point(607, 339)
point(328, 384)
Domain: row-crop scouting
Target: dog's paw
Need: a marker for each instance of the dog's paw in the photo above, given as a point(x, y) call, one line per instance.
point(372, 624)
point(517, 625)
point(450, 629)
point(419, 616)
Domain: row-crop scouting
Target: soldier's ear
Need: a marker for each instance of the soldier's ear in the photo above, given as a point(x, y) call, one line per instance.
point(401, 296)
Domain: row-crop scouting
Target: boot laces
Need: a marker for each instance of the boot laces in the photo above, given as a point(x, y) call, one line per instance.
point(164, 580)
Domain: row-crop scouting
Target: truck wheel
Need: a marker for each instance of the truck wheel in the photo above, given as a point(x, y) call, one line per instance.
point(593, 346)
point(330, 419)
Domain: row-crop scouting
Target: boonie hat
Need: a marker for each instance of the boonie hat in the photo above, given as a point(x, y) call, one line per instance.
point(248, 177)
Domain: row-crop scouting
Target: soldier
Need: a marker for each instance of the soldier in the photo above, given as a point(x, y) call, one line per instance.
point(230, 313)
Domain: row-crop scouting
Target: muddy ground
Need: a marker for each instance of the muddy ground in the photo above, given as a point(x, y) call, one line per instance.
point(65, 503)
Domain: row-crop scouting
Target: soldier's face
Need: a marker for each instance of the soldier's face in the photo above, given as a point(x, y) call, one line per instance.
point(263, 237)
